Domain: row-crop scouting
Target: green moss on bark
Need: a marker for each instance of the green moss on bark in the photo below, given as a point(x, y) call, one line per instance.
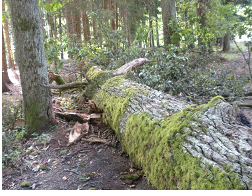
point(35, 120)
point(156, 145)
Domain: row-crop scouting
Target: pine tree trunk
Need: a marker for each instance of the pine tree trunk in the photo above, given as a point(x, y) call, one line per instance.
point(126, 23)
point(86, 29)
point(178, 145)
point(5, 76)
point(6, 30)
point(94, 22)
point(168, 13)
point(201, 12)
point(55, 27)
point(69, 24)
point(60, 34)
point(50, 22)
point(76, 24)
point(30, 57)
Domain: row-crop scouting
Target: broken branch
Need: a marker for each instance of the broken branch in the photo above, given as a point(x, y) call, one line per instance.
point(66, 86)
point(133, 64)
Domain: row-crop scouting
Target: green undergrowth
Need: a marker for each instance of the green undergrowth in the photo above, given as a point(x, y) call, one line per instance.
point(156, 145)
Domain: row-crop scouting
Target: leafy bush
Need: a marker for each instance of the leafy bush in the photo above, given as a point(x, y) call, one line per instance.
point(196, 78)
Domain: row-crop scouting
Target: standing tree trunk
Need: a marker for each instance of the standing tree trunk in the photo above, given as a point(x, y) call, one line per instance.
point(168, 13)
point(201, 12)
point(76, 24)
point(178, 145)
point(126, 22)
point(86, 29)
point(30, 57)
point(60, 34)
point(226, 43)
point(94, 23)
point(6, 78)
point(4, 68)
point(51, 25)
point(6, 30)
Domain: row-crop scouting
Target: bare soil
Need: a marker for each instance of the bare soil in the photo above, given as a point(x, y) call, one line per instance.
point(82, 165)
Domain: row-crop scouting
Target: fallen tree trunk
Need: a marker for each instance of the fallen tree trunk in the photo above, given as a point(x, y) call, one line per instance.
point(178, 145)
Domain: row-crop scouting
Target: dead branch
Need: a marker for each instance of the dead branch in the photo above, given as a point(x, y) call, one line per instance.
point(128, 66)
point(66, 86)
point(245, 105)
point(94, 139)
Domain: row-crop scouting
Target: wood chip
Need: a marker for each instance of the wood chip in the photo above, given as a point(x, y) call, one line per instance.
point(78, 131)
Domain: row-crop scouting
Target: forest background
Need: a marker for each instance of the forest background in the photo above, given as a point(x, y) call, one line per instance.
point(176, 35)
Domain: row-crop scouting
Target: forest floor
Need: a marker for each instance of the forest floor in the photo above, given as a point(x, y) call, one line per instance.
point(52, 164)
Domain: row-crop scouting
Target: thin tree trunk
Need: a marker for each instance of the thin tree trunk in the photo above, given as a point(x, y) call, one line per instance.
point(6, 30)
point(157, 31)
point(50, 22)
point(5, 76)
point(226, 43)
point(86, 29)
point(60, 33)
point(69, 24)
point(178, 145)
point(126, 23)
point(55, 27)
point(201, 12)
point(112, 9)
point(151, 37)
point(30, 57)
point(168, 13)
point(76, 24)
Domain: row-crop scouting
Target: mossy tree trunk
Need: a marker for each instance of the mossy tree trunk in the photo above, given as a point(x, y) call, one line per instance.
point(30, 57)
point(178, 145)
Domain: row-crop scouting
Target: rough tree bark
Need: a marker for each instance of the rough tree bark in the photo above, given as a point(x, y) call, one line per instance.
point(5, 78)
point(178, 145)
point(6, 30)
point(30, 57)
point(168, 13)
point(4, 63)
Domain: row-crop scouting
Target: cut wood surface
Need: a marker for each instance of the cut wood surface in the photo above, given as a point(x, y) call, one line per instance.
point(178, 145)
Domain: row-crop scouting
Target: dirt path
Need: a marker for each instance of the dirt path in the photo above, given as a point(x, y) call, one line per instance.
point(81, 165)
